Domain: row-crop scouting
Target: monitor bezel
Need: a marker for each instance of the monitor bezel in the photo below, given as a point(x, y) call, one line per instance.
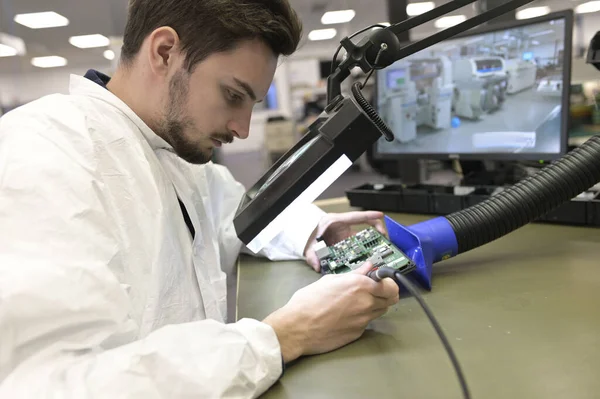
point(567, 15)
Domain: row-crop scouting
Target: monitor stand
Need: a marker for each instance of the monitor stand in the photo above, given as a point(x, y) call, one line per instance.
point(476, 174)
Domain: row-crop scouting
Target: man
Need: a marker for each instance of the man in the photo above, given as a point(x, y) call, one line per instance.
point(117, 231)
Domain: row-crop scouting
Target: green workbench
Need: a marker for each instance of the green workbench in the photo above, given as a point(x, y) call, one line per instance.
point(523, 315)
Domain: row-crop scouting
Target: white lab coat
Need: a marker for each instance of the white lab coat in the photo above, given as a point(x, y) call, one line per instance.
point(102, 293)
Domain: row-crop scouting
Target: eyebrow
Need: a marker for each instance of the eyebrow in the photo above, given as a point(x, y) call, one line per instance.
point(246, 88)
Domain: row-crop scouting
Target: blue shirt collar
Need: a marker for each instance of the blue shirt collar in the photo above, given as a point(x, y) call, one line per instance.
point(97, 77)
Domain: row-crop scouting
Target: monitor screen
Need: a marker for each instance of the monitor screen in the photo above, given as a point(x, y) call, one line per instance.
point(496, 93)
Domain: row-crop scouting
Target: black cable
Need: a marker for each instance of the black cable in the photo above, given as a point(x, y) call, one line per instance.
point(384, 272)
point(369, 75)
point(334, 59)
point(381, 50)
point(357, 87)
point(371, 112)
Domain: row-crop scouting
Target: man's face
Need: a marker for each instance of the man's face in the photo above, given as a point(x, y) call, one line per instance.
point(213, 105)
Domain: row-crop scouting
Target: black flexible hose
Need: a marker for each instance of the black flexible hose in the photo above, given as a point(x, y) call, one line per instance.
point(529, 199)
point(371, 113)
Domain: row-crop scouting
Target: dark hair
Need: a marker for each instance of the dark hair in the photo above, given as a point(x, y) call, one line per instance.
point(211, 26)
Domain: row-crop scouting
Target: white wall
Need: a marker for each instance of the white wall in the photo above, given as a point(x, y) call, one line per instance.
point(22, 88)
point(304, 72)
point(590, 25)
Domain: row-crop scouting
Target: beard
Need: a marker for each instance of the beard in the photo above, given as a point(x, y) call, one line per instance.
point(176, 123)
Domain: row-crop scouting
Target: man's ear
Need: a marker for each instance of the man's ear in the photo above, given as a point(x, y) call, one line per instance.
point(163, 50)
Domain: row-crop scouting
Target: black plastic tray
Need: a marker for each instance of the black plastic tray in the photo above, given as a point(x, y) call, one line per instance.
point(573, 212)
point(445, 202)
point(377, 197)
point(442, 200)
point(593, 212)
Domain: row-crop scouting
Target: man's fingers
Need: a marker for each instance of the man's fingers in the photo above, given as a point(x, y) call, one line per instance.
point(364, 268)
point(386, 289)
point(358, 217)
point(313, 260)
point(379, 226)
point(384, 303)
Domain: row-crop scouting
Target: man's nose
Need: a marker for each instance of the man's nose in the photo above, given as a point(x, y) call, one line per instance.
point(240, 127)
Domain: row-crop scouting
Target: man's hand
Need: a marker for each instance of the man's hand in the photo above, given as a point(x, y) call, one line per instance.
point(335, 227)
point(331, 312)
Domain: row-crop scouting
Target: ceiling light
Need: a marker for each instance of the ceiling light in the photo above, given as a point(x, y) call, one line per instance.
point(52, 61)
point(535, 42)
point(451, 20)
point(11, 45)
point(337, 17)
point(89, 41)
point(590, 6)
point(41, 20)
point(533, 12)
point(542, 33)
point(109, 55)
point(419, 8)
point(322, 34)
point(7, 51)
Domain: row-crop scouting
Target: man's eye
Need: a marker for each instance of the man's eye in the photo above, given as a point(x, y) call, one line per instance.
point(234, 98)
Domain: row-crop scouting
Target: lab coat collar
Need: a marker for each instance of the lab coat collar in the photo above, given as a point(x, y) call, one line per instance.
point(82, 86)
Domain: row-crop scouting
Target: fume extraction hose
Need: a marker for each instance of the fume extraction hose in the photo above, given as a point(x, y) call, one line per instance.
point(529, 199)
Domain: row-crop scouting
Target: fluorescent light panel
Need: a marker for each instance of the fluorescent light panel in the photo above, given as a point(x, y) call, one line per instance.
point(451, 20)
point(12, 45)
point(52, 61)
point(413, 9)
point(41, 20)
point(337, 17)
point(322, 34)
point(7, 51)
point(533, 12)
point(109, 55)
point(89, 41)
point(590, 6)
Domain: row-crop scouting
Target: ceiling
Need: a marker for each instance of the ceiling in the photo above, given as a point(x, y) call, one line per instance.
point(107, 17)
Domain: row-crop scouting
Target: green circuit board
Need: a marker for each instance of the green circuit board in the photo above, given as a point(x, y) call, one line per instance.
point(367, 244)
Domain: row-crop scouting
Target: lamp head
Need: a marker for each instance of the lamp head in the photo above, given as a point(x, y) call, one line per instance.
point(334, 141)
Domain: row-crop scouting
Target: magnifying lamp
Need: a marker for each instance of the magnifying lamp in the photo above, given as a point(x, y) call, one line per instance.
point(343, 132)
